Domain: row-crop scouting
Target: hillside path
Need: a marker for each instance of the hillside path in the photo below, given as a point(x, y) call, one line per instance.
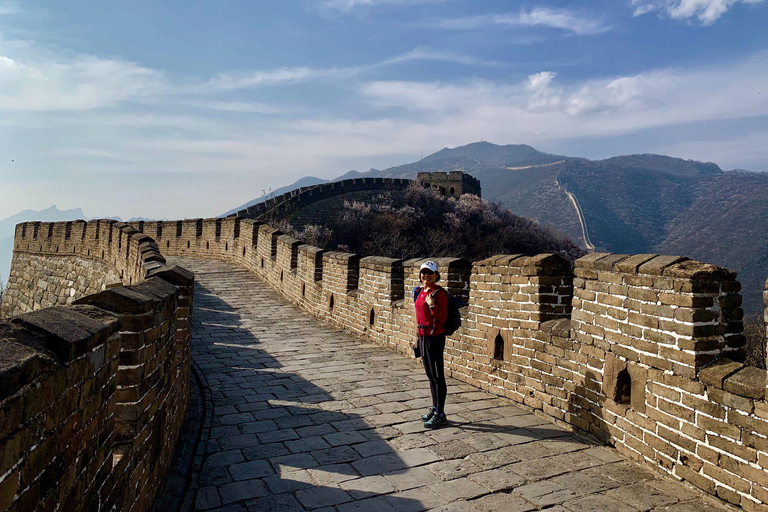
point(303, 417)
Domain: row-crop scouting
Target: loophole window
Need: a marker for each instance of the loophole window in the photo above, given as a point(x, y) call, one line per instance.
point(498, 348)
point(331, 303)
point(303, 290)
point(623, 388)
point(371, 317)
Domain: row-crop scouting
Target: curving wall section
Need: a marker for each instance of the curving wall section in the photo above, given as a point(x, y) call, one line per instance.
point(92, 394)
point(55, 263)
point(640, 350)
point(287, 204)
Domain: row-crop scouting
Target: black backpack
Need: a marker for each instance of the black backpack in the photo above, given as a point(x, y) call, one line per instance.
point(453, 321)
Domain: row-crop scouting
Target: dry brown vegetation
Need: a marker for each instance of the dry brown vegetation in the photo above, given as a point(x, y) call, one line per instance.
point(428, 224)
point(754, 330)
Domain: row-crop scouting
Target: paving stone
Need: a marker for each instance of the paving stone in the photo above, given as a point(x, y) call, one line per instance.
point(243, 490)
point(456, 449)
point(289, 481)
point(251, 470)
point(360, 488)
point(207, 498)
point(588, 481)
point(370, 448)
point(408, 441)
point(496, 480)
point(378, 464)
point(417, 457)
point(451, 469)
point(553, 466)
point(378, 503)
point(501, 502)
point(215, 476)
point(336, 455)
point(317, 497)
point(642, 496)
point(293, 462)
point(306, 444)
point(280, 503)
point(492, 459)
point(597, 503)
point(415, 500)
point(410, 478)
point(239, 441)
point(265, 451)
point(344, 438)
point(456, 506)
point(332, 474)
point(546, 493)
point(224, 459)
point(458, 489)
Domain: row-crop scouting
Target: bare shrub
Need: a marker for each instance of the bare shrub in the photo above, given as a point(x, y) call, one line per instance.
point(428, 224)
point(754, 331)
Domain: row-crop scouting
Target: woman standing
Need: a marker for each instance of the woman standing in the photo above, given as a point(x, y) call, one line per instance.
point(431, 313)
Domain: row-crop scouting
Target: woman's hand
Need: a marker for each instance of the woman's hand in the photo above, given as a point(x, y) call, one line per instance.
point(430, 300)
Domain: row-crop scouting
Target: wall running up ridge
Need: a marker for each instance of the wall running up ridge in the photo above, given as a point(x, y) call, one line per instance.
point(640, 350)
point(92, 394)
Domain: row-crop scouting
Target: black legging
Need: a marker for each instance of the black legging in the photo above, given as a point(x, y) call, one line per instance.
point(432, 348)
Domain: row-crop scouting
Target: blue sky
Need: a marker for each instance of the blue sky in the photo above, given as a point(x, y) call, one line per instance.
point(185, 109)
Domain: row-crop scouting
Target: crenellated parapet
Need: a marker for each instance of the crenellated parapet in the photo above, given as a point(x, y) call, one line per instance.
point(639, 350)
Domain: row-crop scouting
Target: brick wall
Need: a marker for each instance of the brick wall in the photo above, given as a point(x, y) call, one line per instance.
point(93, 394)
point(640, 350)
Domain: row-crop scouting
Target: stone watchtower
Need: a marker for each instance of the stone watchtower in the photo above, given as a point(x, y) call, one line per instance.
point(451, 184)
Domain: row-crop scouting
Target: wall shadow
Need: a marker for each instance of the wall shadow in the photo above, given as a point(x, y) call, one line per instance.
point(275, 442)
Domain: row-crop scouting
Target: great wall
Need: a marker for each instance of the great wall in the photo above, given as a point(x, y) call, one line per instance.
point(641, 351)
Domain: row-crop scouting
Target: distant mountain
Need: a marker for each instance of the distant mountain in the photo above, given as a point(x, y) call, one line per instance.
point(306, 181)
point(511, 155)
point(8, 227)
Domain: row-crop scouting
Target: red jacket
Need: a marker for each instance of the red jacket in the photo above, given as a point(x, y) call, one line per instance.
point(433, 318)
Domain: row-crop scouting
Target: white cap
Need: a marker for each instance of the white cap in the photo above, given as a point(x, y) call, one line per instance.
point(429, 265)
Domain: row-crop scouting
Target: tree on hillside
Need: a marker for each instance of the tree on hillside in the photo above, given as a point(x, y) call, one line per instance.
point(427, 224)
point(2, 291)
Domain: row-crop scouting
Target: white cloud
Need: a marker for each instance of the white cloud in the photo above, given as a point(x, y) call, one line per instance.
point(440, 56)
point(705, 11)
point(600, 107)
point(563, 19)
point(85, 82)
point(267, 78)
point(542, 95)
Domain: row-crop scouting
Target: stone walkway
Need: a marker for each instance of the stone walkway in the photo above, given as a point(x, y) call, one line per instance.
point(303, 417)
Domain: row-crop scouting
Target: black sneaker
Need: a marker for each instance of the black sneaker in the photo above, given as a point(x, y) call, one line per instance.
point(437, 421)
point(428, 416)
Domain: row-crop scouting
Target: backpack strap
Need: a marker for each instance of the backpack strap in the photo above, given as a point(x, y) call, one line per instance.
point(416, 292)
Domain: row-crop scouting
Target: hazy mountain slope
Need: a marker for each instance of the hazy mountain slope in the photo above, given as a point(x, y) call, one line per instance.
point(628, 201)
point(727, 225)
point(511, 155)
point(533, 193)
